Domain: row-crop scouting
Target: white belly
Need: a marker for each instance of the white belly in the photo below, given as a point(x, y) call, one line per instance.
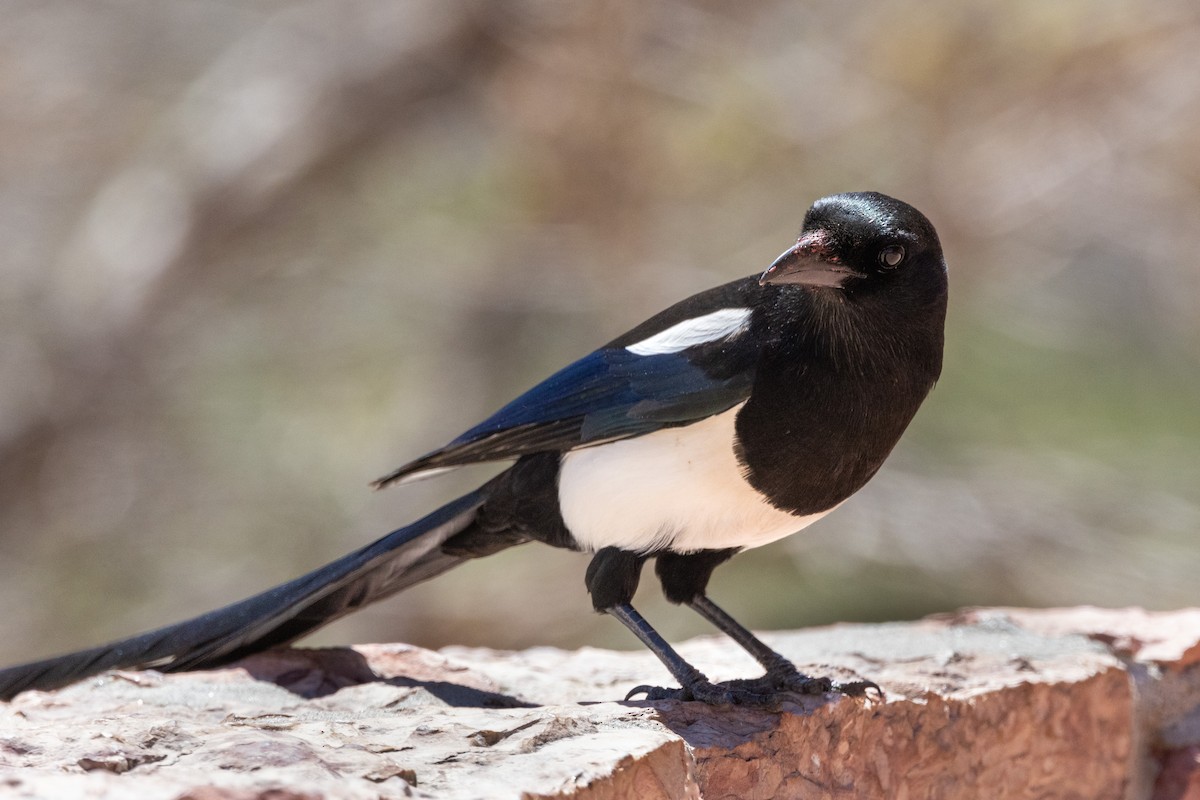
point(677, 488)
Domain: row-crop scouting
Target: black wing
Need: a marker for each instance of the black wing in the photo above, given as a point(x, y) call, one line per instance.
point(692, 361)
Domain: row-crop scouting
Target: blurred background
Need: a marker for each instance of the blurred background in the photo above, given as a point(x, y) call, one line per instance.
point(254, 255)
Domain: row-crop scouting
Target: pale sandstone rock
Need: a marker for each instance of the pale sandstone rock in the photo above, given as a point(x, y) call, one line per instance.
point(995, 703)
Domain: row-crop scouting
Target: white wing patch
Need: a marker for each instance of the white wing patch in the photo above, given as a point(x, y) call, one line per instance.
point(422, 475)
point(700, 330)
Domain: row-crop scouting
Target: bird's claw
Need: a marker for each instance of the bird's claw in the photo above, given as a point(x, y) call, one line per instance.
point(857, 688)
point(653, 693)
point(713, 694)
point(764, 691)
point(784, 676)
point(803, 684)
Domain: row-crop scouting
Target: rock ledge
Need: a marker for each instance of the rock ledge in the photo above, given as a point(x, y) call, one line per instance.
point(997, 703)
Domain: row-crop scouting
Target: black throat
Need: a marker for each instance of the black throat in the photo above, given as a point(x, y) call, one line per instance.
point(836, 386)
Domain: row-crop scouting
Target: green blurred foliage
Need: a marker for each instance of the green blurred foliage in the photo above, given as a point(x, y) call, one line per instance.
point(258, 254)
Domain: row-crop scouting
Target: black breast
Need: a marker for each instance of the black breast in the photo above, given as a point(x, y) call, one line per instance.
point(832, 395)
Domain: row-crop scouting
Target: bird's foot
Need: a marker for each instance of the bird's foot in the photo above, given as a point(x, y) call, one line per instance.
point(784, 677)
point(781, 678)
point(804, 684)
point(764, 691)
point(728, 693)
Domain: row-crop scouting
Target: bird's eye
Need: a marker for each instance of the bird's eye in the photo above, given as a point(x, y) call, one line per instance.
point(891, 256)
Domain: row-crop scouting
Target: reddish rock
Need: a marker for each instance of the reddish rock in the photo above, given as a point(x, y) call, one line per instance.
point(1180, 775)
point(996, 703)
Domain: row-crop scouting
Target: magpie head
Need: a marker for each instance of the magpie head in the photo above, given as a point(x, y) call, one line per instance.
point(860, 242)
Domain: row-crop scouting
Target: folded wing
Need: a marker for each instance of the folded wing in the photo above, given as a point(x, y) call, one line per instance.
point(679, 367)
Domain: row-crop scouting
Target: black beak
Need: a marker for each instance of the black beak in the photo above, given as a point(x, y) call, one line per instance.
point(810, 262)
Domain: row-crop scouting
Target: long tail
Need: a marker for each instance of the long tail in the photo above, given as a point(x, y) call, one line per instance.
point(275, 617)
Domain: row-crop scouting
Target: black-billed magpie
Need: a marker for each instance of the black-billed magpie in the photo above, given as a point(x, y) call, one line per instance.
point(728, 421)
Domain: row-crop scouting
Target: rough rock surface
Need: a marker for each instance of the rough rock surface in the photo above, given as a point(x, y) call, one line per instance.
point(996, 703)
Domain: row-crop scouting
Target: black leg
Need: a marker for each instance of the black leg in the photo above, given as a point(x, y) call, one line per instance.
point(693, 683)
point(756, 647)
point(688, 676)
point(685, 576)
point(781, 673)
point(684, 579)
point(612, 577)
